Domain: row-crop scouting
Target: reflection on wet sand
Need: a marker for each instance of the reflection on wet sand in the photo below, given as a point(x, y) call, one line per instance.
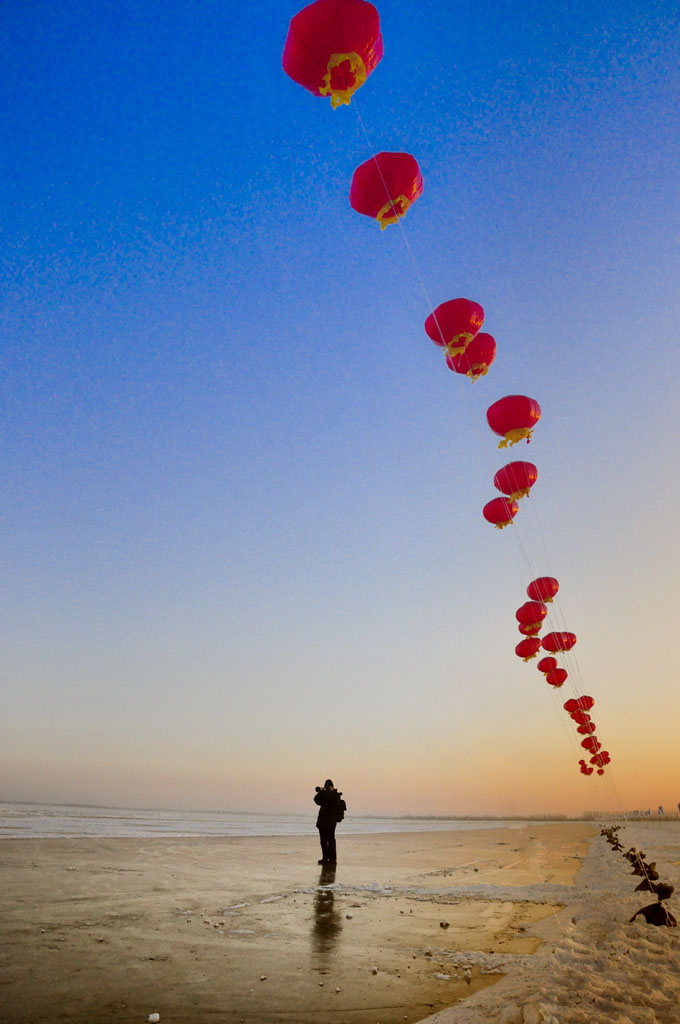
point(327, 920)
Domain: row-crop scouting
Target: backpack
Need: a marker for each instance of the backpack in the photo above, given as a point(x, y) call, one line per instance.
point(342, 807)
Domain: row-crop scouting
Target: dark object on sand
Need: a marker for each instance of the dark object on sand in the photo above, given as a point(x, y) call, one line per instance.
point(656, 914)
point(645, 870)
point(663, 890)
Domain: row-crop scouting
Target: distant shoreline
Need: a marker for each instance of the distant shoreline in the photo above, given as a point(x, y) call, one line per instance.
point(587, 816)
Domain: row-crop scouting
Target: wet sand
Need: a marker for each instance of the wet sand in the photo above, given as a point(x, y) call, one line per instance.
point(252, 930)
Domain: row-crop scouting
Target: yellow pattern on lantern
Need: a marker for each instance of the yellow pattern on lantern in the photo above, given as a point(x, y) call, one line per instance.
point(458, 343)
point(392, 211)
point(516, 495)
point(476, 371)
point(356, 67)
point(499, 526)
point(515, 436)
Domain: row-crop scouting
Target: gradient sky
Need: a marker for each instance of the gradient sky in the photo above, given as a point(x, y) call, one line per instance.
point(242, 537)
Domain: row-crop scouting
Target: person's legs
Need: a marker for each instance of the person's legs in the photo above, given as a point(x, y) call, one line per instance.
point(327, 837)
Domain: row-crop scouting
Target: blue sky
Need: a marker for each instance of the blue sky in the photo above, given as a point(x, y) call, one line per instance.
point(241, 492)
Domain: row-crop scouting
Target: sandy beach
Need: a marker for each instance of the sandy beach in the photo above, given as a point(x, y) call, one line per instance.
point(253, 930)
point(594, 965)
point(517, 925)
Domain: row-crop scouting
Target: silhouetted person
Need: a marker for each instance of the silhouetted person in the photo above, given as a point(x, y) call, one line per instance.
point(331, 810)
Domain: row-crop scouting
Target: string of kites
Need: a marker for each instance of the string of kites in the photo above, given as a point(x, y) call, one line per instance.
point(331, 48)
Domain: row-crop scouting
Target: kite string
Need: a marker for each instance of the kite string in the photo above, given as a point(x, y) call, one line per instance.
point(414, 262)
point(531, 541)
point(575, 677)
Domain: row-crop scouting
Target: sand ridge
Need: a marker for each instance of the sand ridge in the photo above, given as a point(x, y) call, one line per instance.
point(594, 966)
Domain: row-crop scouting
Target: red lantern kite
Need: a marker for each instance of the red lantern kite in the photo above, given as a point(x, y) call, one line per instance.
point(582, 704)
point(546, 665)
point(528, 648)
point(453, 324)
point(513, 418)
point(579, 716)
point(531, 614)
point(601, 759)
point(543, 589)
point(476, 359)
point(332, 47)
point(555, 642)
point(500, 512)
point(529, 630)
point(385, 186)
point(556, 677)
point(592, 744)
point(516, 479)
point(586, 729)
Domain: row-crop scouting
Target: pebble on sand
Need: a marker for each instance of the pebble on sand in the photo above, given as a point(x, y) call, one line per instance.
point(153, 1018)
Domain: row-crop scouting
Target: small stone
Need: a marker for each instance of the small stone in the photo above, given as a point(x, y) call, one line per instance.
point(428, 951)
point(374, 970)
point(263, 977)
point(443, 977)
point(443, 924)
point(349, 916)
point(320, 984)
point(153, 1018)
point(337, 990)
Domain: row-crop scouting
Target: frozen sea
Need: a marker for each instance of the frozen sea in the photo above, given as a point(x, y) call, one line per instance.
point(61, 821)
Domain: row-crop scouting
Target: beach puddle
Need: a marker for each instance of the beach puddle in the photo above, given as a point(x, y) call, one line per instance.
point(386, 957)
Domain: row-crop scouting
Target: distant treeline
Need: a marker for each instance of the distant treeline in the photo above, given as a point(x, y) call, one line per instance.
point(585, 816)
point(474, 817)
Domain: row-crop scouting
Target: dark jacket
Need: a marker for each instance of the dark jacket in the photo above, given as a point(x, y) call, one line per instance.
point(330, 807)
